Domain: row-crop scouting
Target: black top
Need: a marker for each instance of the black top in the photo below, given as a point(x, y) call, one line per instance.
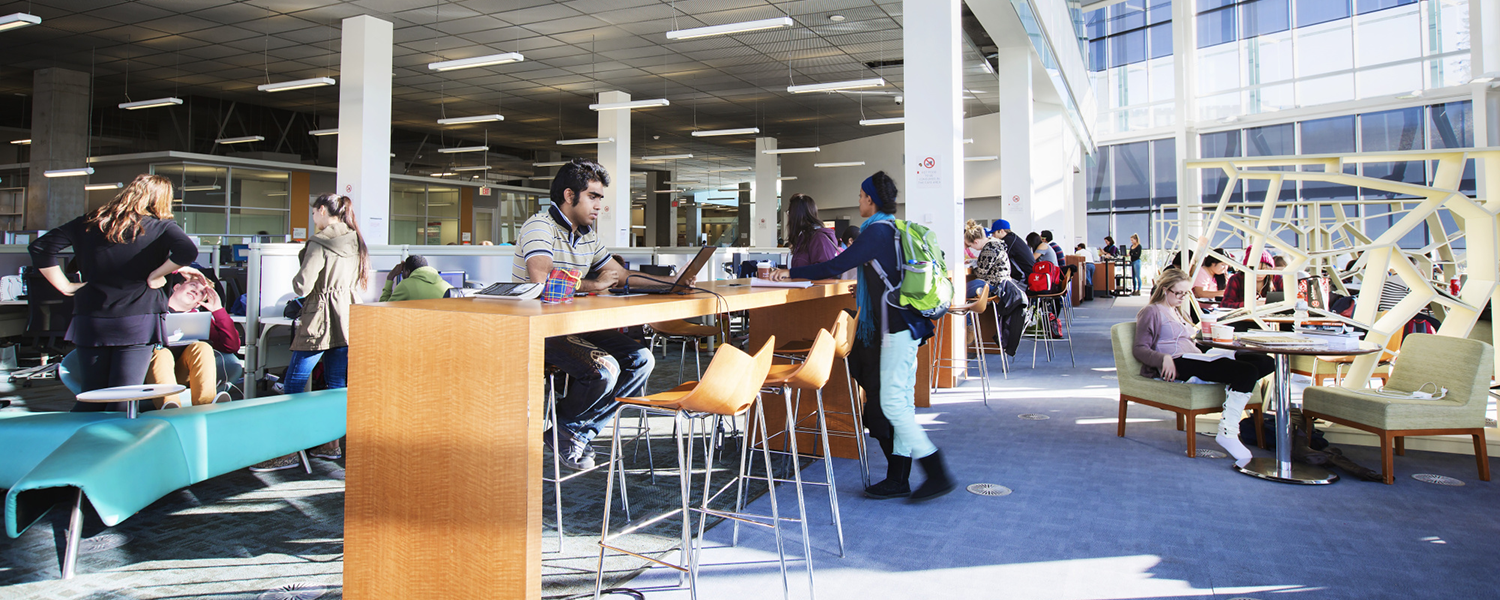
point(1135, 253)
point(1021, 258)
point(876, 243)
point(116, 273)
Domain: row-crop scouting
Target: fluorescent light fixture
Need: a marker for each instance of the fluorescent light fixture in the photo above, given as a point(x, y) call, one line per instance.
point(200, 188)
point(792, 150)
point(157, 103)
point(667, 157)
point(467, 120)
point(857, 163)
point(667, 191)
point(682, 181)
point(241, 139)
point(554, 163)
point(19, 20)
point(323, 132)
point(890, 121)
point(25, 142)
point(478, 61)
point(733, 189)
point(300, 84)
point(69, 172)
point(275, 194)
point(583, 141)
point(541, 177)
point(473, 168)
point(833, 86)
point(980, 158)
point(443, 174)
point(94, 187)
point(791, 178)
point(716, 132)
point(731, 169)
point(730, 28)
point(461, 149)
point(630, 104)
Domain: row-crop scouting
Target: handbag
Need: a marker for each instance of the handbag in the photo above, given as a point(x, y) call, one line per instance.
point(293, 308)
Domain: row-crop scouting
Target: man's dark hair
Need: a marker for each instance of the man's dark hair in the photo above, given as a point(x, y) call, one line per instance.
point(1047, 234)
point(414, 262)
point(885, 187)
point(851, 233)
point(577, 176)
point(1033, 240)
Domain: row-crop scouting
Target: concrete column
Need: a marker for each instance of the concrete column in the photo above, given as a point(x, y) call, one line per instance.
point(364, 171)
point(59, 140)
point(1050, 174)
point(767, 169)
point(614, 222)
point(1016, 120)
point(660, 229)
point(693, 214)
point(746, 215)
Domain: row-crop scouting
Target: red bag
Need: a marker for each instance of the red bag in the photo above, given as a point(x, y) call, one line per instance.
point(1043, 276)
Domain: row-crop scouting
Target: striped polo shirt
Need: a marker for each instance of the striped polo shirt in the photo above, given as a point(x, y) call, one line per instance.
point(549, 232)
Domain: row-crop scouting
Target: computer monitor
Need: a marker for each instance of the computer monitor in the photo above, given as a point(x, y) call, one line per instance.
point(241, 253)
point(454, 278)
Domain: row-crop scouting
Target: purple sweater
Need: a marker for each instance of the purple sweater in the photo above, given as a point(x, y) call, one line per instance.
point(1159, 334)
point(822, 247)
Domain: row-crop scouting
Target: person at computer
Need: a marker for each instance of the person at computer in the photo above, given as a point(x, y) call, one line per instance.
point(124, 250)
point(885, 349)
point(603, 365)
point(418, 281)
point(200, 365)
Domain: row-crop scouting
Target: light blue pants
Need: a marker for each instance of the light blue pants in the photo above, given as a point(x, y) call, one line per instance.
point(898, 386)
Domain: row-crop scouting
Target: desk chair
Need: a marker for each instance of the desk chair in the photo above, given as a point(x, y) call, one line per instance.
point(844, 329)
point(1461, 366)
point(970, 313)
point(730, 388)
point(809, 375)
point(49, 313)
point(1038, 324)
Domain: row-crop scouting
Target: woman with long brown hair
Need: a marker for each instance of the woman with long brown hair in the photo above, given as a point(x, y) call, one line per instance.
point(335, 264)
point(812, 243)
point(124, 251)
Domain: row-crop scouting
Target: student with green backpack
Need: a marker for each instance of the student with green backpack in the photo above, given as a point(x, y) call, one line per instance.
point(901, 288)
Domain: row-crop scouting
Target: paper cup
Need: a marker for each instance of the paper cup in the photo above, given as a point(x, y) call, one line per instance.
point(1223, 333)
point(763, 270)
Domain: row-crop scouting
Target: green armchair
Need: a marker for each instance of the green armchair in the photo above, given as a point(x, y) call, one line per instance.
point(1188, 400)
point(1463, 367)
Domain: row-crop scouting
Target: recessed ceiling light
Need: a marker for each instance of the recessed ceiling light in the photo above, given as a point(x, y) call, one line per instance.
point(836, 18)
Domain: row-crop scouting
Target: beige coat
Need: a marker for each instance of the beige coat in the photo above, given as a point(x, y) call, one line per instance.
point(328, 282)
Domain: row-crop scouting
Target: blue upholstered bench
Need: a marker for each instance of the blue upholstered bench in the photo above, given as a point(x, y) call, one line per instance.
point(123, 465)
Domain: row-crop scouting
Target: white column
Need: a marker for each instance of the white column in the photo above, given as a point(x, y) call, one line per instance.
point(763, 215)
point(1016, 120)
point(614, 222)
point(1050, 174)
point(364, 171)
point(1185, 68)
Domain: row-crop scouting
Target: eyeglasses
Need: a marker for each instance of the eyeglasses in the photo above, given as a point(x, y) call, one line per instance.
point(1182, 294)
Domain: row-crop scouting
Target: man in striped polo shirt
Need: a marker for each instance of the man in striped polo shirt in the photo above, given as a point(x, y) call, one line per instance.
point(603, 365)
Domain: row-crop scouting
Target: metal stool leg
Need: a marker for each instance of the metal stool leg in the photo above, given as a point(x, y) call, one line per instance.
point(791, 427)
point(833, 491)
point(857, 410)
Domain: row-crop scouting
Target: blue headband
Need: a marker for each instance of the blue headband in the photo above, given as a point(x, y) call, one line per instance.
point(869, 187)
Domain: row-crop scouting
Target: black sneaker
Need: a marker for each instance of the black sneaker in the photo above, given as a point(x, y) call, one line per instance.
point(579, 457)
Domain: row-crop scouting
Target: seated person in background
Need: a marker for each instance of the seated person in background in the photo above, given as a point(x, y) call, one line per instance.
point(421, 281)
point(1088, 264)
point(851, 233)
point(200, 366)
point(1021, 258)
point(603, 365)
point(1205, 283)
point(1040, 249)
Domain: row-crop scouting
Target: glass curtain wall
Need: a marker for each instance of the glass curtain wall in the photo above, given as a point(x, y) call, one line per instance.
point(424, 214)
point(214, 201)
point(1131, 64)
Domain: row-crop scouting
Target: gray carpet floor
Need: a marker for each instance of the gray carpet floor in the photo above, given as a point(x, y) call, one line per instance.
point(1091, 516)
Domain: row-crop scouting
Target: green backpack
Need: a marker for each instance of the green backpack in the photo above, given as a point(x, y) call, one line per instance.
point(925, 286)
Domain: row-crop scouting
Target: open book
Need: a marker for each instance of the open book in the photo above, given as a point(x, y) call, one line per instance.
point(1213, 354)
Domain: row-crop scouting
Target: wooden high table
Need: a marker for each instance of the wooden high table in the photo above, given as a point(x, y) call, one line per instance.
point(444, 467)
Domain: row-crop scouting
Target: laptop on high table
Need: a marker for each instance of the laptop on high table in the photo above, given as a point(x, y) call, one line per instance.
point(636, 283)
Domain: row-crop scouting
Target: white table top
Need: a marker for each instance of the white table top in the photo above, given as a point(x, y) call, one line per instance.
point(127, 393)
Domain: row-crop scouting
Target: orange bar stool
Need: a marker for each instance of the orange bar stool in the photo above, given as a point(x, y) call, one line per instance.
point(843, 340)
point(808, 376)
point(730, 388)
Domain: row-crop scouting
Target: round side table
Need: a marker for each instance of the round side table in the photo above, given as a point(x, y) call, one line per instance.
point(130, 394)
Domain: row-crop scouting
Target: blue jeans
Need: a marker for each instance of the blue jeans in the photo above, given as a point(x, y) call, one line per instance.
point(974, 287)
point(335, 369)
point(898, 386)
point(1135, 269)
point(603, 365)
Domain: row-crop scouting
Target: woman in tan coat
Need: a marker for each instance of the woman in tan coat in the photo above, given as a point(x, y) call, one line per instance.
point(335, 263)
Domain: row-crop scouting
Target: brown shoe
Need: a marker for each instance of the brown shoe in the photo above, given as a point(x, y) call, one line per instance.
point(329, 451)
point(290, 461)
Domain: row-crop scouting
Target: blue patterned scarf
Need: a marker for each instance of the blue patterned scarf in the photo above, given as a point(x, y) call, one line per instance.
point(867, 315)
